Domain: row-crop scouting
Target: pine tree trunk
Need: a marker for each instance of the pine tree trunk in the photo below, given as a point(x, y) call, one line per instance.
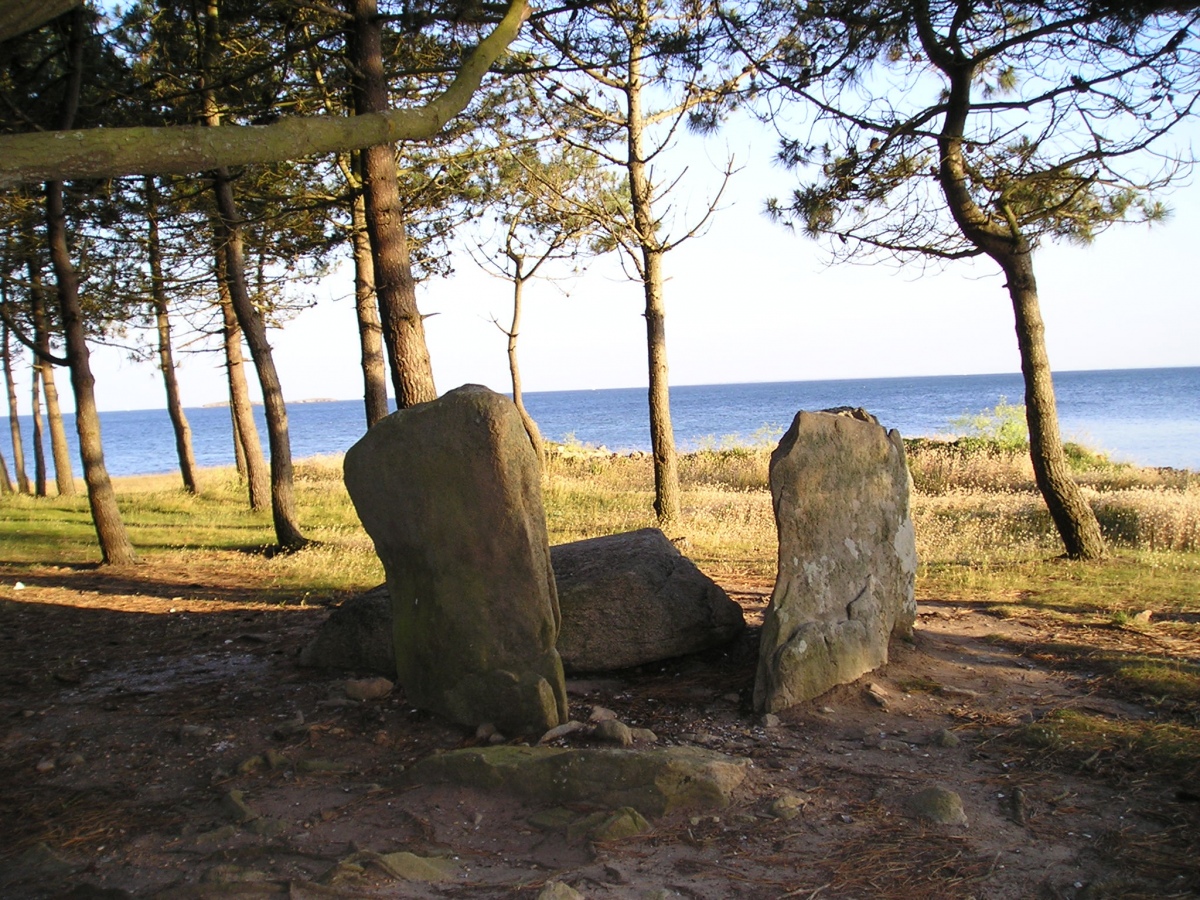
point(166, 356)
point(283, 502)
point(63, 477)
point(14, 421)
point(514, 331)
point(370, 332)
point(1072, 515)
point(641, 195)
point(395, 287)
point(1004, 243)
point(662, 435)
point(179, 422)
point(39, 444)
point(245, 432)
point(6, 485)
point(115, 546)
point(239, 452)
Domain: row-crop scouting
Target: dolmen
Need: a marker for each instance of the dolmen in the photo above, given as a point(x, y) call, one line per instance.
point(626, 600)
point(847, 556)
point(450, 493)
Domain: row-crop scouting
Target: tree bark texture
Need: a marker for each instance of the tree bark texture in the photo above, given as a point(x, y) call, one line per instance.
point(39, 442)
point(662, 434)
point(166, 355)
point(6, 485)
point(107, 152)
point(395, 287)
point(14, 421)
point(283, 500)
point(239, 452)
point(1073, 516)
point(63, 477)
point(115, 546)
point(245, 432)
point(370, 332)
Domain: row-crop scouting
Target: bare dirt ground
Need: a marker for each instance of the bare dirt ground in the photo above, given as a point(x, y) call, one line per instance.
point(132, 704)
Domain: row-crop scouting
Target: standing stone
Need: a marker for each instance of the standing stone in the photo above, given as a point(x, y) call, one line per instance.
point(633, 598)
point(847, 556)
point(450, 492)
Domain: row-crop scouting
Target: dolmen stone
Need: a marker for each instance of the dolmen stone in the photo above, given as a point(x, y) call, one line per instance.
point(450, 492)
point(847, 556)
point(357, 637)
point(654, 782)
point(633, 598)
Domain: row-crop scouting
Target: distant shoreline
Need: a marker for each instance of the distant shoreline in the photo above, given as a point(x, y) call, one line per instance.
point(224, 404)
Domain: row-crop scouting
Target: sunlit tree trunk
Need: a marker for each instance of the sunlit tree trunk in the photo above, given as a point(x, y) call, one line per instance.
point(239, 452)
point(6, 485)
point(283, 502)
point(245, 432)
point(395, 287)
point(1073, 516)
point(1003, 242)
point(370, 332)
point(662, 435)
point(115, 546)
point(179, 422)
point(63, 477)
point(514, 370)
point(14, 421)
point(166, 355)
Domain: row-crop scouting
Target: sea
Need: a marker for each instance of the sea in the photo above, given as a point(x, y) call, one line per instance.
point(1146, 416)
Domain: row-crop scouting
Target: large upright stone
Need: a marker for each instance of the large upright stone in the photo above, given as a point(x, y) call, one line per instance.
point(847, 556)
point(450, 492)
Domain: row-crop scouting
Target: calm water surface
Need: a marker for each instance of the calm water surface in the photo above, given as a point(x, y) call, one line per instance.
point(1147, 416)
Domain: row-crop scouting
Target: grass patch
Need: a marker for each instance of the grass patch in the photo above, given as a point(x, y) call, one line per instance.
point(1117, 747)
point(919, 685)
point(1159, 681)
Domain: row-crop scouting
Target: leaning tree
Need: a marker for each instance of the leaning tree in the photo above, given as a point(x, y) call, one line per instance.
point(962, 128)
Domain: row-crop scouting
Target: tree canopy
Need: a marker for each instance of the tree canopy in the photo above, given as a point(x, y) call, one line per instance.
point(106, 152)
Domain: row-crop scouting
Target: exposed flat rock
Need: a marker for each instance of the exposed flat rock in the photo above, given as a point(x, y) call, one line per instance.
point(654, 782)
